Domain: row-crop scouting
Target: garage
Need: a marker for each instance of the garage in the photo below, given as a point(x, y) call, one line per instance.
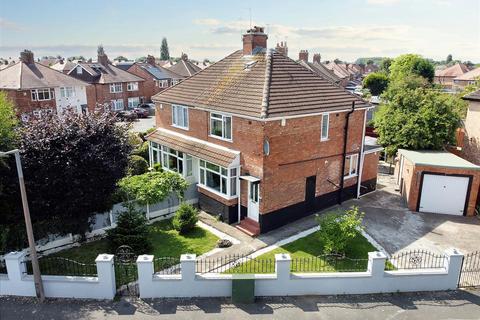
point(437, 182)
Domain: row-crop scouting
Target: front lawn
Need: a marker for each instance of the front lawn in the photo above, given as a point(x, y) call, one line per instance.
point(308, 256)
point(166, 242)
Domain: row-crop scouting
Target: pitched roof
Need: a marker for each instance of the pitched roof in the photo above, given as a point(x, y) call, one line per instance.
point(337, 69)
point(469, 76)
point(159, 72)
point(475, 96)
point(124, 65)
point(185, 68)
point(452, 71)
point(260, 85)
point(63, 65)
point(321, 70)
point(108, 73)
point(208, 151)
point(33, 76)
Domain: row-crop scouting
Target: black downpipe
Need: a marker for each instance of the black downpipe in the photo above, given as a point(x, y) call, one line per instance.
point(345, 134)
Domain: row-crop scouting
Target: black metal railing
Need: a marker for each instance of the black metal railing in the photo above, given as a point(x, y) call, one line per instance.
point(3, 267)
point(328, 263)
point(166, 265)
point(416, 259)
point(235, 264)
point(470, 273)
point(58, 266)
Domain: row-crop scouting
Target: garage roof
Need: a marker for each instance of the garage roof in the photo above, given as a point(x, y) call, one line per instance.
point(437, 159)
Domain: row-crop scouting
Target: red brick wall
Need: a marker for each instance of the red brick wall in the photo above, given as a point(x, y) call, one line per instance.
point(23, 101)
point(370, 166)
point(103, 95)
point(149, 87)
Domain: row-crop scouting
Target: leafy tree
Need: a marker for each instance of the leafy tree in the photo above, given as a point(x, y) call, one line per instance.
point(338, 228)
point(142, 150)
point(72, 164)
point(337, 60)
point(369, 61)
point(164, 52)
point(185, 218)
point(411, 64)
point(131, 230)
point(376, 82)
point(8, 122)
point(416, 118)
point(385, 65)
point(449, 59)
point(121, 58)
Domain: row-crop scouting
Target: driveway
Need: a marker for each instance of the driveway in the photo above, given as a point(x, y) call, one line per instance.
point(143, 124)
point(396, 228)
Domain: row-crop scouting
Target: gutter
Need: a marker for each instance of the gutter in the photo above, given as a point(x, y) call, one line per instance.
point(344, 153)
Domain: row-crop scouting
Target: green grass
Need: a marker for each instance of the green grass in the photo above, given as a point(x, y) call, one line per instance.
point(306, 254)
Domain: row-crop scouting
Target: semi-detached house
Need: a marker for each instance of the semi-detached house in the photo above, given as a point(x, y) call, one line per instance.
point(266, 140)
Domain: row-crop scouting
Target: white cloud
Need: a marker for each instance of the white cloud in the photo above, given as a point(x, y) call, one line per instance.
point(207, 22)
point(10, 25)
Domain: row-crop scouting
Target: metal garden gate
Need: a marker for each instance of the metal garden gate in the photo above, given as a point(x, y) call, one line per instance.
point(126, 274)
point(470, 273)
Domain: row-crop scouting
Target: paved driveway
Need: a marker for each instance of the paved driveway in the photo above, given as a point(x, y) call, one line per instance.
point(396, 228)
point(143, 124)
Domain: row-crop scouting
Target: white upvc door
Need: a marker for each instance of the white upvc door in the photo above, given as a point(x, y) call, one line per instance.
point(443, 194)
point(253, 200)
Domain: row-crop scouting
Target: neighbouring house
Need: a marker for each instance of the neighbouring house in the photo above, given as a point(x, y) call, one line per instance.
point(317, 67)
point(36, 89)
point(437, 182)
point(445, 77)
point(156, 78)
point(460, 82)
point(114, 88)
point(185, 67)
point(340, 71)
point(470, 148)
point(63, 66)
point(266, 140)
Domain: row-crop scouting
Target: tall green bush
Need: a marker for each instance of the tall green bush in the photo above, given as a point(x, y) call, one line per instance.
point(185, 218)
point(136, 165)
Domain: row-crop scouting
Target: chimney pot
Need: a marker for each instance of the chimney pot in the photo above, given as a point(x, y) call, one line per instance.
point(282, 48)
point(254, 38)
point(151, 60)
point(303, 55)
point(26, 56)
point(317, 58)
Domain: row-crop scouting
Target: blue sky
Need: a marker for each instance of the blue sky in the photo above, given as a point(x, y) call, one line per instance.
point(344, 29)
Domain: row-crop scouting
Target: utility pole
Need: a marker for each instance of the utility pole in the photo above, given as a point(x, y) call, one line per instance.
point(28, 223)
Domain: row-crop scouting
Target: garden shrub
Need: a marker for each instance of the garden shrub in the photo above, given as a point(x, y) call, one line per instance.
point(136, 165)
point(185, 218)
point(337, 229)
point(131, 230)
point(141, 150)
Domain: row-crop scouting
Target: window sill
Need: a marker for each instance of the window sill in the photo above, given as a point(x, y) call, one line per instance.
point(220, 138)
point(216, 192)
point(180, 127)
point(323, 140)
point(350, 176)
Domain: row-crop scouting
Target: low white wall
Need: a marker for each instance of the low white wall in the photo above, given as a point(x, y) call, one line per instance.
point(18, 283)
point(285, 283)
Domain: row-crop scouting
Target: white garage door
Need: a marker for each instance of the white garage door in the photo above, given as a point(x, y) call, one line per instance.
point(443, 194)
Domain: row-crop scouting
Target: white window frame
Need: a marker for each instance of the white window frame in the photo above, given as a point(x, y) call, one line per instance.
point(36, 97)
point(116, 87)
point(323, 134)
point(161, 83)
point(132, 86)
point(228, 179)
point(180, 116)
point(160, 154)
point(133, 102)
point(115, 104)
point(215, 116)
point(67, 92)
point(79, 70)
point(351, 161)
point(175, 81)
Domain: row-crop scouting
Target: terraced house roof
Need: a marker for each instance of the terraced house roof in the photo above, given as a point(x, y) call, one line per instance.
point(262, 85)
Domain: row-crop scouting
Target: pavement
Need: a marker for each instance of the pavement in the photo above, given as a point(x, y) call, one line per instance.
point(143, 124)
point(424, 305)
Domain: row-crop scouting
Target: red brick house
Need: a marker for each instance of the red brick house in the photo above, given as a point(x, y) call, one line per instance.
point(266, 140)
point(113, 87)
point(156, 78)
point(317, 67)
point(36, 89)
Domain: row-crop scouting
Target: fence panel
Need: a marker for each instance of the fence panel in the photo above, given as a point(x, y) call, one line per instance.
point(58, 266)
point(416, 259)
point(328, 263)
point(470, 273)
point(235, 264)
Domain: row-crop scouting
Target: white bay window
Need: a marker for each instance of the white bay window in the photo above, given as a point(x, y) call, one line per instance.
point(218, 178)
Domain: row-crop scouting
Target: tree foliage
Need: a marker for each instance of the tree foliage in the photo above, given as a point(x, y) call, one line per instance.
point(152, 187)
point(185, 218)
point(164, 52)
point(8, 123)
point(411, 64)
point(72, 164)
point(136, 165)
point(449, 59)
point(338, 228)
point(376, 82)
point(131, 230)
point(385, 65)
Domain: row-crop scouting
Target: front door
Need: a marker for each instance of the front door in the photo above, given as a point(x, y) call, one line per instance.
point(310, 193)
point(253, 197)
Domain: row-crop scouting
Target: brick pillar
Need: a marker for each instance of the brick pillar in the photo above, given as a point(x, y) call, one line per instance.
point(376, 263)
point(283, 262)
point(145, 273)
point(106, 275)
point(187, 262)
point(454, 266)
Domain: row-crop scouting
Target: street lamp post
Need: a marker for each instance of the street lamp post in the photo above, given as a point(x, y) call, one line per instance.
point(28, 223)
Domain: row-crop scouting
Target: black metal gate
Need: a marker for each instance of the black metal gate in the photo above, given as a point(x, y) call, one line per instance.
point(126, 274)
point(470, 273)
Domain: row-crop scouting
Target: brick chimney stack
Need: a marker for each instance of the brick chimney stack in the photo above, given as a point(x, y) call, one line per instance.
point(282, 48)
point(184, 56)
point(102, 58)
point(316, 58)
point(26, 56)
point(253, 39)
point(151, 60)
point(303, 55)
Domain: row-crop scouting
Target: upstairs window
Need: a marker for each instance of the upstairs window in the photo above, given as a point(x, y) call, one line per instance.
point(115, 87)
point(79, 70)
point(324, 128)
point(221, 126)
point(42, 94)
point(351, 164)
point(132, 86)
point(67, 92)
point(180, 116)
